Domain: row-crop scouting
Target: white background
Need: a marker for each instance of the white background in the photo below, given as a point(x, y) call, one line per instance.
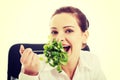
point(27, 21)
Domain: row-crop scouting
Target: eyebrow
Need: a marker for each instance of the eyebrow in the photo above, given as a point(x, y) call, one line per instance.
point(63, 27)
point(53, 28)
point(68, 26)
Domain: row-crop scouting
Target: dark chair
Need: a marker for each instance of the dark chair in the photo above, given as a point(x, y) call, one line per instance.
point(14, 65)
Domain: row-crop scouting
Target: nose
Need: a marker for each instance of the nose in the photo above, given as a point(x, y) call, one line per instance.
point(60, 37)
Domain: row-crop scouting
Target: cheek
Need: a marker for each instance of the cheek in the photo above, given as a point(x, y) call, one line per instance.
point(52, 37)
point(77, 38)
point(75, 41)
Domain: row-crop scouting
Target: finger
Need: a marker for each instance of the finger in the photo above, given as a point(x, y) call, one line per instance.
point(36, 64)
point(21, 50)
point(25, 55)
point(34, 60)
point(29, 58)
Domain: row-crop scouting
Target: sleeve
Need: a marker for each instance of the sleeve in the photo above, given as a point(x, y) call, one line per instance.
point(101, 77)
point(98, 73)
point(23, 76)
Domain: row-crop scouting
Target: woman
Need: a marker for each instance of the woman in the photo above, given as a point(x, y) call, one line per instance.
point(70, 26)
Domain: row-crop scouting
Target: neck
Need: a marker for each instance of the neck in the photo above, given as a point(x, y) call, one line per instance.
point(71, 67)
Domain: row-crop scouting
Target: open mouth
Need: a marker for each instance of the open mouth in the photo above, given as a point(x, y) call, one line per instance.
point(66, 48)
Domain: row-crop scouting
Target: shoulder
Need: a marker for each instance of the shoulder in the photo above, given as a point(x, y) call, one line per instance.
point(88, 55)
point(91, 62)
point(90, 59)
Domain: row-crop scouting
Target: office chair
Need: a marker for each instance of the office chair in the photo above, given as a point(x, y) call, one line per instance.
point(14, 65)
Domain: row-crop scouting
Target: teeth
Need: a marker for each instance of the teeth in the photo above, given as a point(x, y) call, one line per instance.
point(65, 46)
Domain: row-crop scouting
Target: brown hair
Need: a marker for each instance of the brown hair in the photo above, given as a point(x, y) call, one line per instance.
point(81, 18)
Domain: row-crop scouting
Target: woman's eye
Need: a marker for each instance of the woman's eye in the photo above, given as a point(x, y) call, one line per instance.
point(54, 32)
point(68, 31)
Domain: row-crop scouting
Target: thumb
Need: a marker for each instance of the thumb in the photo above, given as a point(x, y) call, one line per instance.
point(21, 50)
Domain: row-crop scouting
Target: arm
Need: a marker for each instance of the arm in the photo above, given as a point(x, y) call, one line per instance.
point(30, 64)
point(98, 73)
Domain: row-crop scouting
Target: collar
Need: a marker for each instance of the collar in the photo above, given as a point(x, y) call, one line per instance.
point(84, 61)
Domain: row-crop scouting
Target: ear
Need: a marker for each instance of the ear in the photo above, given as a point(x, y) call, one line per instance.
point(85, 36)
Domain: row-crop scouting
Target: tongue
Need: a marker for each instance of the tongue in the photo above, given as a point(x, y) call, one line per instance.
point(66, 48)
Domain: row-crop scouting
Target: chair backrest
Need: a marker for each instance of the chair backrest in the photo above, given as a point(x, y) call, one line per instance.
point(14, 65)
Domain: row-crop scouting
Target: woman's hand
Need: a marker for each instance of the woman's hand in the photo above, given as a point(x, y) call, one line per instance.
point(30, 61)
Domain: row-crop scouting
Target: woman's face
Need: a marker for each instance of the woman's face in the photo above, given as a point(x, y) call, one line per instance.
point(64, 27)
